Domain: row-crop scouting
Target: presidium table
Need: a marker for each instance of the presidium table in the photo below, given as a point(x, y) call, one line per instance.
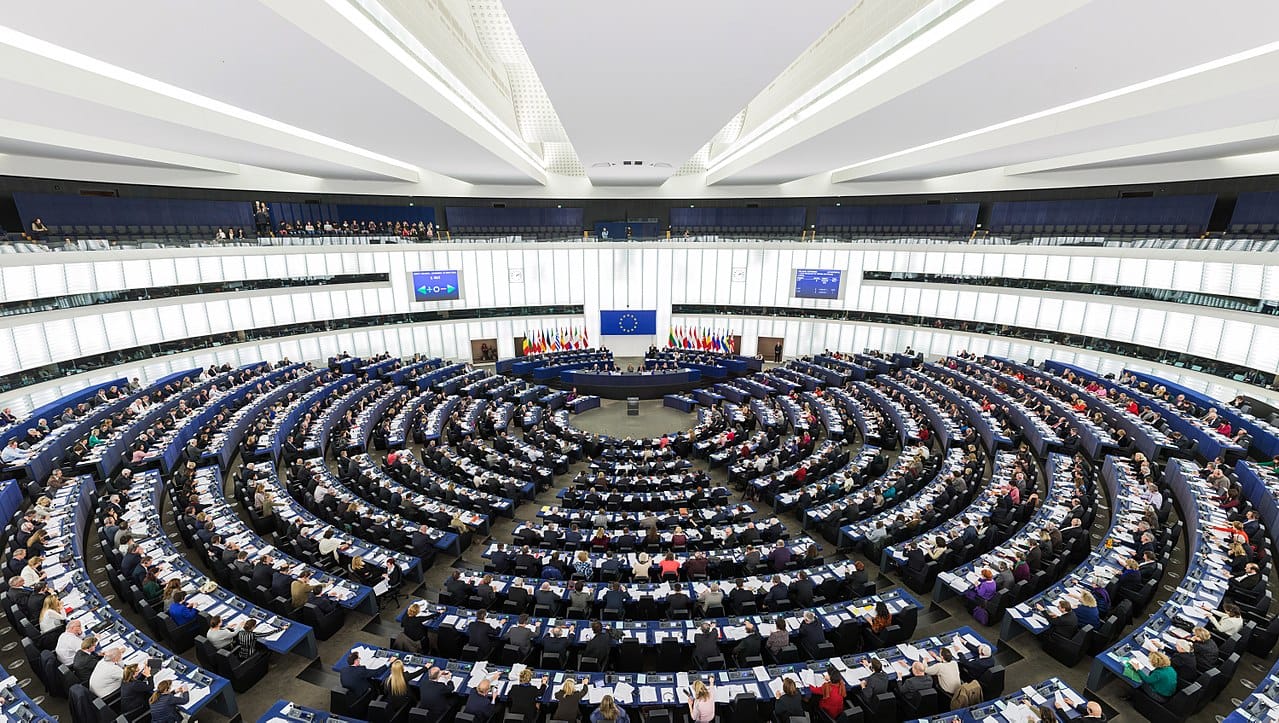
point(620, 385)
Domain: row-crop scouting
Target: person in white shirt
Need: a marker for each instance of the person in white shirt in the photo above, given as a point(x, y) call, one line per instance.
point(329, 544)
point(946, 671)
point(31, 573)
point(107, 674)
point(69, 642)
point(51, 615)
point(12, 453)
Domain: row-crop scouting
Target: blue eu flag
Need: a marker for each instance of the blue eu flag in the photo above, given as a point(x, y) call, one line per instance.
point(628, 323)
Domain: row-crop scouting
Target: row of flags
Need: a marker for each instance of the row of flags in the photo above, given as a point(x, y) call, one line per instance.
point(701, 338)
point(544, 340)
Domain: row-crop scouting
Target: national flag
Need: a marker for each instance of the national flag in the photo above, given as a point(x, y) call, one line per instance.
point(524, 345)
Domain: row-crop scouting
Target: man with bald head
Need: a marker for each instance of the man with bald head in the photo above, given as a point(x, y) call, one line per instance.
point(436, 692)
point(912, 688)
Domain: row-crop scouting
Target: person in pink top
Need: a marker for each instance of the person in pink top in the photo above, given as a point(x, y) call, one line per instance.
point(701, 704)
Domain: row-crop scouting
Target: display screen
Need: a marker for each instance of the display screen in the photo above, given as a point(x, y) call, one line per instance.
point(817, 283)
point(435, 286)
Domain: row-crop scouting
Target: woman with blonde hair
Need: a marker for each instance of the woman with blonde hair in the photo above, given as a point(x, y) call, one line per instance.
point(582, 565)
point(51, 615)
point(397, 686)
point(414, 627)
point(43, 508)
point(525, 699)
point(1161, 682)
point(701, 704)
point(1086, 611)
point(569, 699)
point(608, 712)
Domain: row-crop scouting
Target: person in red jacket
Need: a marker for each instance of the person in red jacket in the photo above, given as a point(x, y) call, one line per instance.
point(831, 692)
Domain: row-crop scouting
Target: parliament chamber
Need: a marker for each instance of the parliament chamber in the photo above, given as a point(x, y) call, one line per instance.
point(419, 361)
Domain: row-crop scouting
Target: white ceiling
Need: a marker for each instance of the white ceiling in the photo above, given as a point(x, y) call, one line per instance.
point(457, 97)
point(653, 81)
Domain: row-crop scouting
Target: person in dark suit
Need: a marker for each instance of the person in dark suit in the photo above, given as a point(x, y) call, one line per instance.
point(436, 693)
point(780, 557)
point(679, 602)
point(355, 677)
point(857, 578)
point(1148, 567)
point(422, 544)
point(810, 633)
point(557, 641)
point(778, 596)
point(1090, 711)
point(979, 666)
point(740, 596)
point(1247, 582)
point(615, 598)
point(457, 587)
point(910, 689)
point(705, 644)
point(482, 702)
point(1064, 623)
point(263, 572)
point(803, 590)
point(916, 561)
point(135, 689)
point(501, 561)
point(1130, 577)
point(525, 698)
point(600, 644)
point(281, 585)
point(480, 634)
point(86, 659)
point(752, 644)
point(876, 683)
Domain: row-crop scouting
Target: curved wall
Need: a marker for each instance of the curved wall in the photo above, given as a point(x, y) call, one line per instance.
point(656, 276)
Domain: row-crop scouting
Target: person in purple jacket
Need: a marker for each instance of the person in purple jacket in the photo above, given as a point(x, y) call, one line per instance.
point(982, 591)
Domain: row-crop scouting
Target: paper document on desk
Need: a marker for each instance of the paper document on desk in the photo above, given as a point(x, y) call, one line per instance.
point(856, 674)
point(648, 694)
point(761, 673)
point(478, 672)
point(196, 695)
point(596, 693)
point(910, 651)
point(624, 693)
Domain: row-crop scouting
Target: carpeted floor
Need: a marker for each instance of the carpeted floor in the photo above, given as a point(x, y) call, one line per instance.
point(653, 419)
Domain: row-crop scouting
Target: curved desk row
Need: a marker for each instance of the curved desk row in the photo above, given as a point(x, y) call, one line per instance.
point(671, 688)
point(73, 506)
